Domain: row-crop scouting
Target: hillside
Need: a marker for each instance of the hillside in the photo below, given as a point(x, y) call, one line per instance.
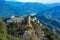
point(50, 24)
point(54, 12)
point(30, 28)
point(51, 16)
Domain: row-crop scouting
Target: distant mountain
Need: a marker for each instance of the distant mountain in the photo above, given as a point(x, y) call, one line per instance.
point(53, 12)
point(27, 6)
point(9, 8)
point(51, 18)
point(53, 5)
point(5, 11)
point(24, 8)
point(19, 9)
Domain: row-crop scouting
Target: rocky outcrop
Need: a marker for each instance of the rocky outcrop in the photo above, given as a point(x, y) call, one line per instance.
point(29, 35)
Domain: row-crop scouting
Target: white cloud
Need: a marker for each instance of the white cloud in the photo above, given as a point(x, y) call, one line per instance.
point(40, 1)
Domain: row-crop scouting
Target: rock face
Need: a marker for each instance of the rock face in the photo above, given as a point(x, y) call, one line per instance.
point(15, 19)
point(33, 34)
point(29, 35)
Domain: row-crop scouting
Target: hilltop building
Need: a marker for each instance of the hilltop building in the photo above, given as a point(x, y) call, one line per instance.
point(15, 19)
point(28, 20)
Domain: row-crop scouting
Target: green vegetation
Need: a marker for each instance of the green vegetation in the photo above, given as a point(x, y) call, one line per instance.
point(13, 25)
point(31, 38)
point(33, 24)
point(9, 37)
point(4, 28)
point(3, 31)
point(29, 27)
point(24, 22)
point(50, 35)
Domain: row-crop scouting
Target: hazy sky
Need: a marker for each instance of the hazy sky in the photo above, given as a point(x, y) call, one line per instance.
point(40, 1)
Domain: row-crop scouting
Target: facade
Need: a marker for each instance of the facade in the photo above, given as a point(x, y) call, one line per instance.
point(15, 19)
point(27, 19)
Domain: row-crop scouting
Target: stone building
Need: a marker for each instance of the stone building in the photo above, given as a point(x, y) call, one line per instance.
point(15, 19)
